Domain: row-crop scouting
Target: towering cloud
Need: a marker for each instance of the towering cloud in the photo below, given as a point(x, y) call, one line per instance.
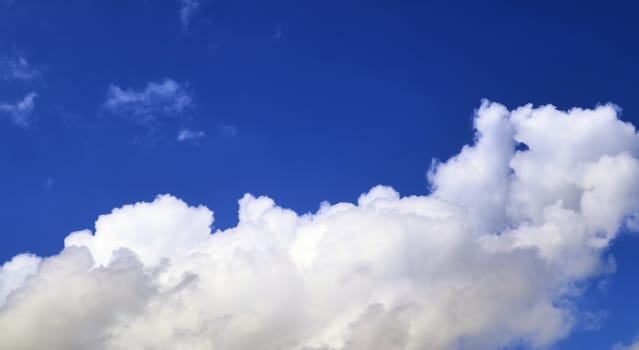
point(491, 258)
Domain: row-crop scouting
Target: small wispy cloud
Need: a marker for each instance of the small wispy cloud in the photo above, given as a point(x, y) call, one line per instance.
point(594, 320)
point(188, 9)
point(277, 34)
point(620, 346)
point(214, 46)
point(48, 183)
point(17, 67)
point(21, 111)
point(188, 135)
point(157, 100)
point(228, 130)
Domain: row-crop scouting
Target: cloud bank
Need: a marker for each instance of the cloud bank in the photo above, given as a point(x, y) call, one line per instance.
point(515, 226)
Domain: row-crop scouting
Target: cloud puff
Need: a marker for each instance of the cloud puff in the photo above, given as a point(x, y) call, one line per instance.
point(188, 9)
point(20, 112)
point(189, 135)
point(493, 257)
point(16, 67)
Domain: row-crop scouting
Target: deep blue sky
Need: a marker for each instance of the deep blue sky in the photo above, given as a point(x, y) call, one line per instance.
point(328, 99)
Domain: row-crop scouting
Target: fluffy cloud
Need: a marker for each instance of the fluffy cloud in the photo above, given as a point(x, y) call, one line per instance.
point(492, 258)
point(188, 8)
point(20, 112)
point(14, 272)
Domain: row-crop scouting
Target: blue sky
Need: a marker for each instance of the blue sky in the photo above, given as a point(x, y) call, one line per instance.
point(114, 102)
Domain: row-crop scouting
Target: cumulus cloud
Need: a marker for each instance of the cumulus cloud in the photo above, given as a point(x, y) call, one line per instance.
point(493, 257)
point(16, 67)
point(189, 135)
point(188, 9)
point(14, 272)
point(20, 112)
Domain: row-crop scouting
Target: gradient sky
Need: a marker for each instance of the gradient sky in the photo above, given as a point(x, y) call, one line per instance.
point(302, 100)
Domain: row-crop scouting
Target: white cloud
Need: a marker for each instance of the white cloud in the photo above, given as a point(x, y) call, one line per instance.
point(490, 259)
point(189, 135)
point(14, 272)
point(20, 112)
point(146, 107)
point(188, 9)
point(16, 67)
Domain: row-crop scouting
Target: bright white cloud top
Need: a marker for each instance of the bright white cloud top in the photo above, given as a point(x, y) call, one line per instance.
point(494, 256)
